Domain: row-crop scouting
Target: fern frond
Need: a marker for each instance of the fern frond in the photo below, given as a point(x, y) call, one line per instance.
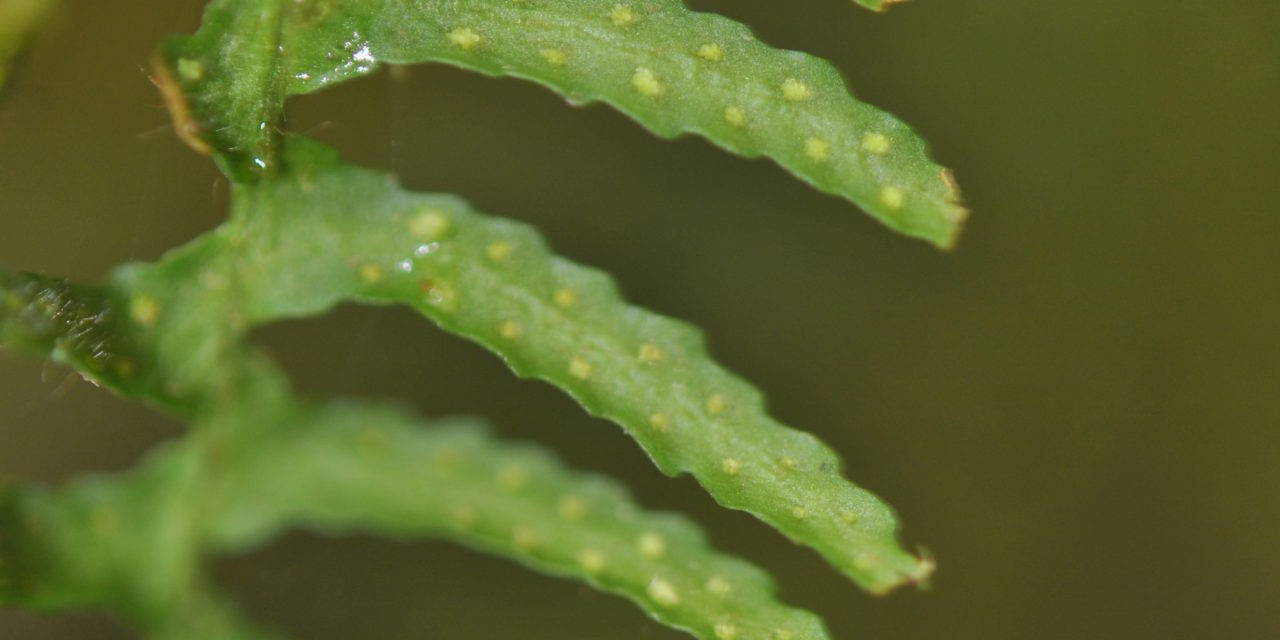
point(131, 543)
point(350, 468)
point(673, 70)
point(495, 282)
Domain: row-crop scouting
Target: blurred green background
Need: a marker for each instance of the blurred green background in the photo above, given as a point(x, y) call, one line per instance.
point(1076, 411)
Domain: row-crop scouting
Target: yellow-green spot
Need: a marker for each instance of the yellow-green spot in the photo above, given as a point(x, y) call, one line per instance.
point(464, 516)
point(715, 404)
point(125, 368)
point(564, 298)
point(554, 56)
point(659, 422)
point(649, 352)
point(663, 592)
point(788, 463)
point(646, 82)
point(429, 225)
point(509, 329)
point(190, 70)
point(372, 274)
point(579, 368)
point(731, 466)
point(817, 149)
point(523, 538)
point(717, 586)
point(622, 15)
point(711, 51)
point(498, 251)
point(782, 634)
point(799, 513)
point(735, 116)
point(726, 631)
point(864, 562)
point(144, 310)
point(591, 561)
point(464, 37)
point(876, 143)
point(849, 517)
point(572, 508)
point(512, 477)
point(795, 90)
point(651, 545)
point(892, 197)
point(440, 295)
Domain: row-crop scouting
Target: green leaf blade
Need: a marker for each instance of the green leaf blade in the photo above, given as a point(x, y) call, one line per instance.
point(221, 85)
point(85, 327)
point(672, 70)
point(345, 468)
point(495, 282)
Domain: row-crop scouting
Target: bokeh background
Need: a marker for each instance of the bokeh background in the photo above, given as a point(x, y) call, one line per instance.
point(1076, 410)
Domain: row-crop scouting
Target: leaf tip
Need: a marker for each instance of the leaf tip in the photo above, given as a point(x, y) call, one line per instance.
point(878, 5)
point(955, 212)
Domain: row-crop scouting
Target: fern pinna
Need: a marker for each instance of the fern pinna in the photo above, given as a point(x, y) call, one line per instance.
point(307, 231)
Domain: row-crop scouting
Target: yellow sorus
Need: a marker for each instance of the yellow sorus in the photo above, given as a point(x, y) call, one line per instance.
point(622, 16)
point(646, 82)
point(876, 143)
point(711, 51)
point(892, 197)
point(464, 37)
point(735, 116)
point(817, 149)
point(795, 90)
